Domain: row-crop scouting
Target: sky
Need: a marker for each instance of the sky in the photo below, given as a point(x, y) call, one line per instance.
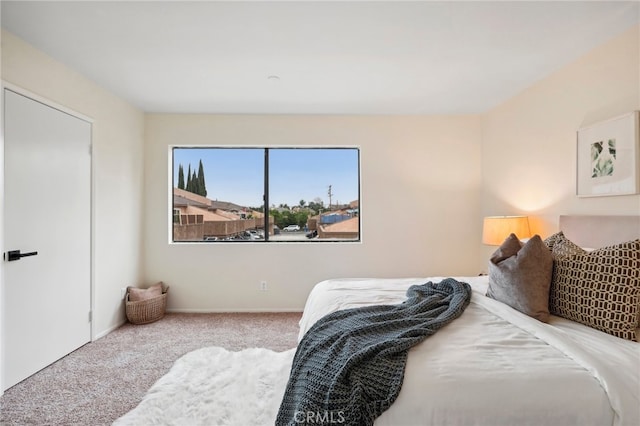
point(237, 174)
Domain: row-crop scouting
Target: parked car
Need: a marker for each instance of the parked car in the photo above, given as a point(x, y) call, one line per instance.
point(254, 234)
point(290, 228)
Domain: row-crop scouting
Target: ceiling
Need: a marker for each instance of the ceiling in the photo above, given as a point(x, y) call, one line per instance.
point(420, 57)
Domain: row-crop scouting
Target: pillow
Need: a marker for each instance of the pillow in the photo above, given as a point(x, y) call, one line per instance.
point(562, 247)
point(551, 241)
point(568, 248)
point(520, 276)
point(600, 289)
point(138, 294)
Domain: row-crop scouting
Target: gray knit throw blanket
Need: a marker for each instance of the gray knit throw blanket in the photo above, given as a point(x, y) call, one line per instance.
point(349, 367)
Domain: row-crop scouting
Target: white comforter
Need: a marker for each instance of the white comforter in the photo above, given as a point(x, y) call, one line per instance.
point(496, 366)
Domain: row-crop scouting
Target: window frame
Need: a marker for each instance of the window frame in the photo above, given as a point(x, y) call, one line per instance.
point(172, 167)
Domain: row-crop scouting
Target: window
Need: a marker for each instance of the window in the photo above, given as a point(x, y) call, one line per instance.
point(266, 194)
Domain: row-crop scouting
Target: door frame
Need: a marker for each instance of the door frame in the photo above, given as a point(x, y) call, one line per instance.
point(4, 85)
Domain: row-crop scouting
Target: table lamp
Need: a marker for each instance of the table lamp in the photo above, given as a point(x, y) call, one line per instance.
point(496, 229)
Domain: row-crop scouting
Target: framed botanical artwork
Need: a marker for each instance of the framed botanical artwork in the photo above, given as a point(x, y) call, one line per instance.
point(609, 157)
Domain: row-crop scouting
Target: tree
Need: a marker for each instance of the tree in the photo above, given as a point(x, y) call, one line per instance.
point(195, 187)
point(181, 177)
point(195, 182)
point(277, 218)
point(202, 187)
point(302, 203)
point(189, 185)
point(300, 219)
point(316, 205)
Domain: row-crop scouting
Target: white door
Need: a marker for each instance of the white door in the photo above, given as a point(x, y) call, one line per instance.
point(47, 187)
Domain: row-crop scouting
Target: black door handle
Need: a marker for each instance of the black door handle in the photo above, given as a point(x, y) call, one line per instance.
point(16, 255)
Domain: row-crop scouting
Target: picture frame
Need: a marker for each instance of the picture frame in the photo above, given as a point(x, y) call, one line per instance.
point(608, 157)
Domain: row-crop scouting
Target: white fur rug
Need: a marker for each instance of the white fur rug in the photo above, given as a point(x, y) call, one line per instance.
point(213, 386)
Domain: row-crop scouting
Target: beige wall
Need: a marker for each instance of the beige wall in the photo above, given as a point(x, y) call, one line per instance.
point(438, 174)
point(529, 142)
point(421, 171)
point(118, 136)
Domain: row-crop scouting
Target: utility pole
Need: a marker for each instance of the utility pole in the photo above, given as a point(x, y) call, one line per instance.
point(330, 195)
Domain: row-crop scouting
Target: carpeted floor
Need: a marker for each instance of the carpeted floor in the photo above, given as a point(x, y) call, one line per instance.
point(104, 379)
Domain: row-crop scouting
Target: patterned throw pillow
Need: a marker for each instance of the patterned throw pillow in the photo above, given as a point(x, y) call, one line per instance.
point(600, 288)
point(562, 247)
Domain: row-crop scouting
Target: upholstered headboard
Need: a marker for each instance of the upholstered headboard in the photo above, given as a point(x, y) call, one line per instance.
point(600, 231)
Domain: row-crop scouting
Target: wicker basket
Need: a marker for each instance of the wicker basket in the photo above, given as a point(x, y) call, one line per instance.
point(146, 311)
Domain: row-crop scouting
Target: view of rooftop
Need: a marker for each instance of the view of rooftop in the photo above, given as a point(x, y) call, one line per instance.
point(198, 218)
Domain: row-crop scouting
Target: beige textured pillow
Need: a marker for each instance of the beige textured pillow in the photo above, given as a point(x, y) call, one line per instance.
point(600, 289)
point(520, 276)
point(138, 294)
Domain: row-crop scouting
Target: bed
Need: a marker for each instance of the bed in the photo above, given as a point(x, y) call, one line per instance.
point(494, 365)
point(491, 366)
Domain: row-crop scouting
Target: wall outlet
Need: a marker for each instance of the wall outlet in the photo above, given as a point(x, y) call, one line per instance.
point(263, 286)
point(123, 292)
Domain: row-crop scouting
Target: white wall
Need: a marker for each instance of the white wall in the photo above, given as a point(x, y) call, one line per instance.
point(423, 171)
point(529, 142)
point(420, 208)
point(118, 137)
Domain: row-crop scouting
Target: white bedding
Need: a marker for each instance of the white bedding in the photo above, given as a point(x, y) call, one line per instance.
point(491, 366)
point(496, 366)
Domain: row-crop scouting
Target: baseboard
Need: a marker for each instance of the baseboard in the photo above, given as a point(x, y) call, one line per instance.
point(108, 330)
